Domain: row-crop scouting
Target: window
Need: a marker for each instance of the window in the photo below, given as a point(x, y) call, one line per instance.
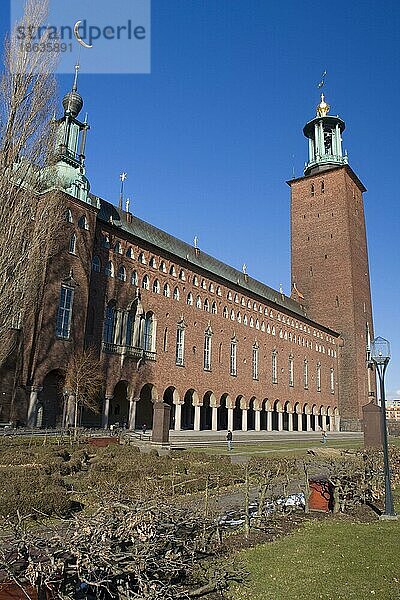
point(189, 299)
point(68, 216)
point(207, 350)
point(305, 374)
point(236, 298)
point(245, 320)
point(109, 270)
point(225, 313)
point(219, 293)
point(257, 324)
point(251, 322)
point(146, 282)
point(166, 290)
point(263, 326)
point(153, 263)
point(142, 258)
point(254, 362)
point(109, 324)
point(172, 271)
point(318, 377)
point(195, 280)
point(122, 273)
point(291, 371)
point(83, 223)
point(96, 265)
point(163, 267)
point(72, 244)
point(105, 241)
point(134, 278)
point(176, 294)
point(203, 284)
point(148, 333)
point(243, 302)
point(198, 302)
point(64, 313)
point(239, 317)
point(118, 248)
point(322, 187)
point(129, 252)
point(211, 288)
point(332, 380)
point(156, 286)
point(214, 308)
point(233, 357)
point(180, 344)
point(182, 275)
point(206, 305)
point(232, 315)
point(274, 367)
point(312, 190)
point(229, 296)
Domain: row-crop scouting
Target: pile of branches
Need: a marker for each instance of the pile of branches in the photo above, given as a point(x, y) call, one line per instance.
point(121, 551)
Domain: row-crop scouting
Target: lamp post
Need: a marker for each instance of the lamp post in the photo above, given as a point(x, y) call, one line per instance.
point(380, 354)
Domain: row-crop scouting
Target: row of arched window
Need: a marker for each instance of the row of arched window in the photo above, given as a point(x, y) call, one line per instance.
point(82, 221)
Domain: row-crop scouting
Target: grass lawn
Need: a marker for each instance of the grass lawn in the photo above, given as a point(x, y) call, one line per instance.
point(329, 560)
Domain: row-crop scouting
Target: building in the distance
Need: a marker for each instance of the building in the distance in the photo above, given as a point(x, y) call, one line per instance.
point(393, 410)
point(172, 324)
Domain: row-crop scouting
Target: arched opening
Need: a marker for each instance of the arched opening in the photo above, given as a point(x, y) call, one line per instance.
point(304, 417)
point(314, 420)
point(171, 397)
point(285, 419)
point(296, 416)
point(144, 407)
point(275, 416)
point(188, 410)
point(263, 415)
point(206, 411)
point(119, 405)
point(251, 421)
point(51, 410)
point(328, 418)
point(237, 415)
point(223, 413)
point(319, 417)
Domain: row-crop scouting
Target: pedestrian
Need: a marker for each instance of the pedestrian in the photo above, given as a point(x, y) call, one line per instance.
point(144, 428)
point(229, 438)
point(324, 437)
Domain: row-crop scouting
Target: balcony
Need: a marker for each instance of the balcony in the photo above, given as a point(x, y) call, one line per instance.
point(130, 351)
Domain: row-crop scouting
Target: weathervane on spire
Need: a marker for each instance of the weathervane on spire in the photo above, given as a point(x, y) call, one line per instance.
point(122, 177)
point(322, 82)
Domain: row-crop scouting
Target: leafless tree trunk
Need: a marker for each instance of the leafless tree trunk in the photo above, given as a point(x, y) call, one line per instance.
point(29, 220)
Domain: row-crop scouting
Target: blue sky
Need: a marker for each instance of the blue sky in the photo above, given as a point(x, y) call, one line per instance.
point(209, 138)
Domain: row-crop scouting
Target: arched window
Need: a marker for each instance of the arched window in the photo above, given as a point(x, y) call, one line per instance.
point(166, 290)
point(232, 315)
point(291, 370)
point(207, 349)
point(134, 278)
point(198, 302)
point(225, 313)
point(245, 320)
point(233, 357)
point(257, 324)
point(255, 306)
point(172, 270)
point(109, 270)
point(83, 223)
point(182, 275)
point(105, 241)
point(203, 284)
point(142, 258)
point(156, 286)
point(122, 273)
point(254, 361)
point(180, 343)
point(206, 305)
point(149, 333)
point(263, 326)
point(146, 282)
point(211, 288)
point(68, 216)
point(96, 264)
point(214, 308)
point(109, 324)
point(239, 317)
point(195, 280)
point(305, 374)
point(118, 248)
point(318, 376)
point(248, 304)
point(219, 293)
point(274, 367)
point(251, 322)
point(129, 252)
point(243, 302)
point(176, 294)
point(332, 380)
point(163, 267)
point(229, 296)
point(189, 299)
point(153, 263)
point(72, 244)
point(236, 298)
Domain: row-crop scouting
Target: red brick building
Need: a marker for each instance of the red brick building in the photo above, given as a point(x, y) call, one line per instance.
point(173, 324)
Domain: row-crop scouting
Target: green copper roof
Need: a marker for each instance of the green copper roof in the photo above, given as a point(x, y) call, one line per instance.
point(187, 254)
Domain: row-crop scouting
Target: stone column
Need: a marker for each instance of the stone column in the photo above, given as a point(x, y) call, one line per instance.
point(178, 417)
point(324, 422)
point(196, 418)
point(337, 423)
point(257, 420)
point(106, 410)
point(33, 406)
point(308, 427)
point(214, 419)
point(244, 419)
point(132, 413)
point(280, 421)
point(290, 421)
point(230, 419)
point(269, 420)
point(299, 422)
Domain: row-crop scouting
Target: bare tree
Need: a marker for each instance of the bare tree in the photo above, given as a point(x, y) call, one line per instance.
point(29, 219)
point(84, 381)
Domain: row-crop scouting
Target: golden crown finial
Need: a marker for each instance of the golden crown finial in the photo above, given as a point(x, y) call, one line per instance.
point(323, 107)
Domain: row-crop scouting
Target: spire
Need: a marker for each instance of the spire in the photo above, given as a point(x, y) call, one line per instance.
point(72, 101)
point(75, 84)
point(324, 134)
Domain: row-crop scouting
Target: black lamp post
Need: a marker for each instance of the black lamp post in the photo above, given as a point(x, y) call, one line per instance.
point(380, 354)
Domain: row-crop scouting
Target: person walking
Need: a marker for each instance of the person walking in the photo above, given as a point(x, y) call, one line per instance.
point(144, 428)
point(324, 437)
point(229, 438)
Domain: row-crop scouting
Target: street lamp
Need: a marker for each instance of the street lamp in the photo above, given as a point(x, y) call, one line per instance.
point(380, 354)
